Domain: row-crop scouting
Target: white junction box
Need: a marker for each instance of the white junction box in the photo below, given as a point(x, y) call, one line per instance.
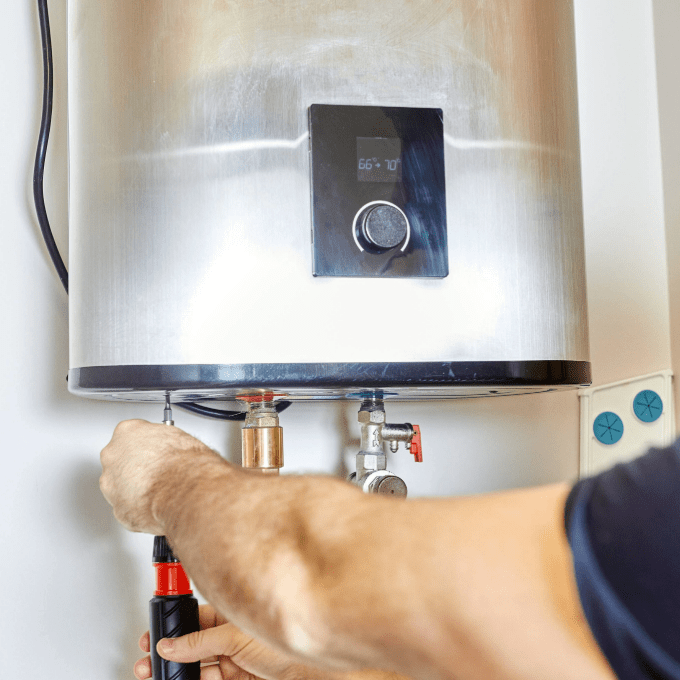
point(620, 421)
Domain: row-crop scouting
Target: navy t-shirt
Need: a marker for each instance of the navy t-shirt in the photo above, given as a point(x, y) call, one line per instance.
point(623, 526)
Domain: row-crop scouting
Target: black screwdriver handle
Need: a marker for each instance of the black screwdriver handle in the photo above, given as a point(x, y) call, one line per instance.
point(172, 616)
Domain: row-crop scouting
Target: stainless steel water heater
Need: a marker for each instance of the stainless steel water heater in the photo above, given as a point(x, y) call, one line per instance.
point(324, 200)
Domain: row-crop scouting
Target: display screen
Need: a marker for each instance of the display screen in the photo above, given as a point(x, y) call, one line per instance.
point(379, 159)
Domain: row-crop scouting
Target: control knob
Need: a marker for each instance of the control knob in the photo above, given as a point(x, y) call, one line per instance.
point(381, 227)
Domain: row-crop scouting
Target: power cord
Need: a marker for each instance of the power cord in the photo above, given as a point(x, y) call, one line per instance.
point(43, 138)
point(225, 415)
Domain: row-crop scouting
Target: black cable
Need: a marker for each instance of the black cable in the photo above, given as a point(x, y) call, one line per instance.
point(39, 199)
point(212, 412)
point(225, 415)
point(43, 138)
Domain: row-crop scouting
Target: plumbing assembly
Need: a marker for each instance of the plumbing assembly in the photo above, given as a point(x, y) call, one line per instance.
point(262, 444)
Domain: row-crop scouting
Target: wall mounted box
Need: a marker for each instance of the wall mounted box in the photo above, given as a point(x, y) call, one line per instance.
point(646, 421)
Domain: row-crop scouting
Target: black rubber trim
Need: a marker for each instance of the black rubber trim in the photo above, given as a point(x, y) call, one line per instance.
point(328, 376)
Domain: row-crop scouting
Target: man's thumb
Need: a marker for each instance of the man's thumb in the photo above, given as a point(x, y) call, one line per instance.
point(193, 646)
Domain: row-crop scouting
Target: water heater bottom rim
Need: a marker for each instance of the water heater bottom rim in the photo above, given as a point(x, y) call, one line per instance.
point(339, 381)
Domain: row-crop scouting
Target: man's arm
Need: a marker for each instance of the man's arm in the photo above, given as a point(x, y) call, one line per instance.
point(468, 588)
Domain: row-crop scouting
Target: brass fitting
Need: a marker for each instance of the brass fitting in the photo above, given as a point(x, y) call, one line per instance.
point(262, 438)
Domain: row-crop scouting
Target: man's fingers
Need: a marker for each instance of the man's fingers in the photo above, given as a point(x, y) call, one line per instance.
point(126, 425)
point(144, 643)
point(224, 640)
point(212, 673)
point(207, 617)
point(192, 647)
point(143, 668)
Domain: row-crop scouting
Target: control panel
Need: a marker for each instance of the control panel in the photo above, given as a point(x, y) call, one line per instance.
point(378, 191)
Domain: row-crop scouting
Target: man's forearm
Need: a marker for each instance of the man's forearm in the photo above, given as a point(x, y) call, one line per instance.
point(481, 587)
point(278, 556)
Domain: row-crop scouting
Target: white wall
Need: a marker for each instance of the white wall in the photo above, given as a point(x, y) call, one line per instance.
point(622, 189)
point(76, 585)
point(667, 29)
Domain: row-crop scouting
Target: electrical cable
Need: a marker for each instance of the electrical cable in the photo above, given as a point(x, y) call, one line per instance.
point(39, 198)
point(43, 139)
point(225, 415)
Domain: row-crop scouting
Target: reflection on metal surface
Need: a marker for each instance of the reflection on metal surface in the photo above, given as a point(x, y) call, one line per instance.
point(497, 144)
point(189, 181)
point(217, 149)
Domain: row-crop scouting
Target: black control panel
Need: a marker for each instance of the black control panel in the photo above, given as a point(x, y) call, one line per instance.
point(378, 191)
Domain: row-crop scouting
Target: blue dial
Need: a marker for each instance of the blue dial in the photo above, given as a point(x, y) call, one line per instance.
point(608, 428)
point(648, 406)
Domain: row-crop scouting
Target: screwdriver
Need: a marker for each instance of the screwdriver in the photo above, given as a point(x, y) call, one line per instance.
point(173, 611)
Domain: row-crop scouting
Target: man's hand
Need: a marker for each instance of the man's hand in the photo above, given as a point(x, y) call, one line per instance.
point(139, 461)
point(226, 652)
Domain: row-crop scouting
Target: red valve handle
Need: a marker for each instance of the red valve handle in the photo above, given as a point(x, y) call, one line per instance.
point(417, 445)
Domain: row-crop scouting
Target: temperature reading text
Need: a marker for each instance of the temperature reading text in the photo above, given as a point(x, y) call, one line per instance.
point(379, 159)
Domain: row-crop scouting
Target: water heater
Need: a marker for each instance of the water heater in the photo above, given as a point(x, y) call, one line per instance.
point(324, 200)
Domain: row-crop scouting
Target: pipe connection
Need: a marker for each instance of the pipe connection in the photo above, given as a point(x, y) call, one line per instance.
point(262, 437)
point(372, 474)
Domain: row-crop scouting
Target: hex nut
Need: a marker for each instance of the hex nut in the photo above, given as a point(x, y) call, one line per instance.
point(371, 461)
point(262, 420)
point(371, 417)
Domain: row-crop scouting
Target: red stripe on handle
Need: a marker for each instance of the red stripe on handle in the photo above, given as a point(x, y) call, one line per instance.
point(171, 579)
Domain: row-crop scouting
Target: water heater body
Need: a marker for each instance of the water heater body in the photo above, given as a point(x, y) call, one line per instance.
point(321, 199)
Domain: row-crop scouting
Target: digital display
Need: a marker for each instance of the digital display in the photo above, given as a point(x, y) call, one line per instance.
point(379, 159)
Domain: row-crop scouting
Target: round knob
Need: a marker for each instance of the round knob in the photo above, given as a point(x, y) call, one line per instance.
point(381, 227)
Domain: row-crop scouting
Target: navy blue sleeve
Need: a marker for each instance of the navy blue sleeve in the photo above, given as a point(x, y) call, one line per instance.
point(623, 527)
